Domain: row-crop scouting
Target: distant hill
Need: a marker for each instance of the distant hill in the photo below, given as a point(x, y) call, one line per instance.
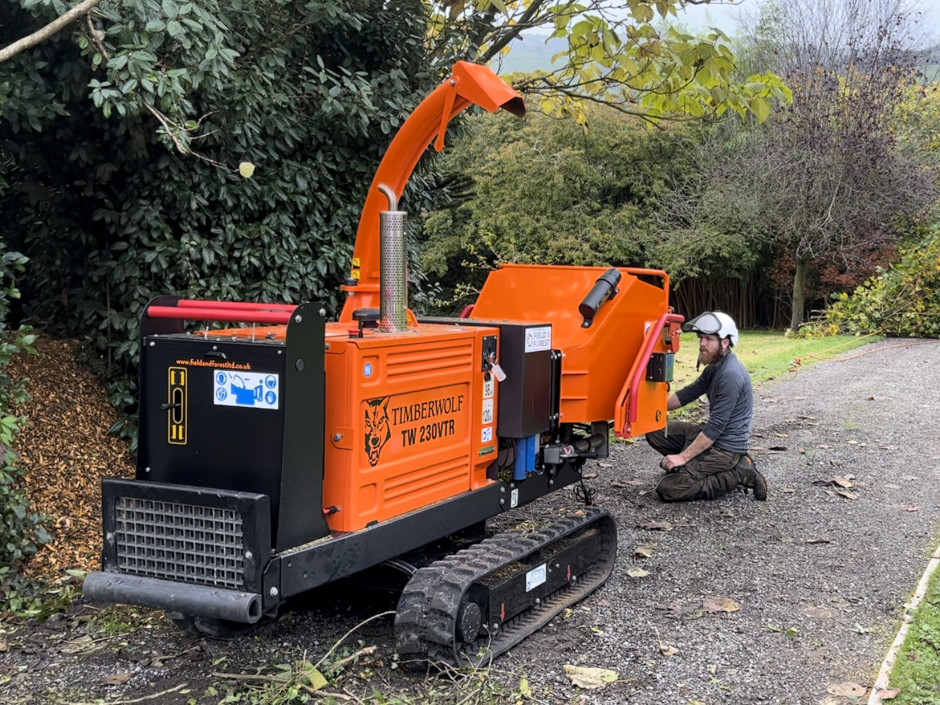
point(530, 53)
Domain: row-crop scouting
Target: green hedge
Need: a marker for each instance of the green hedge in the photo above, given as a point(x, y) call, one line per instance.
point(902, 301)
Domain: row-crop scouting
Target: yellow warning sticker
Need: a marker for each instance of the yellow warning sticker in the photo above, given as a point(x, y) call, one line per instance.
point(177, 405)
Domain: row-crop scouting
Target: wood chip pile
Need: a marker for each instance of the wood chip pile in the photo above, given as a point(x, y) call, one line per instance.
point(65, 451)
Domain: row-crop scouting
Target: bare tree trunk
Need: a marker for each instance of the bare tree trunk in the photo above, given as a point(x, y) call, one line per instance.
point(799, 292)
point(43, 34)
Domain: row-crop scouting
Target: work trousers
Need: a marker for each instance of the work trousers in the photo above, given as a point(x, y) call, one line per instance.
point(707, 476)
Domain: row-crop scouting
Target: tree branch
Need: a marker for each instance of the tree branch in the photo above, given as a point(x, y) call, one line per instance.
point(83, 8)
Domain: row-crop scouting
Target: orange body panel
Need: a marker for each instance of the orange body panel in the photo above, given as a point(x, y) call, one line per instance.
point(405, 420)
point(597, 359)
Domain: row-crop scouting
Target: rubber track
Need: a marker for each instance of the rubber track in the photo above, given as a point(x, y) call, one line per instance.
point(426, 619)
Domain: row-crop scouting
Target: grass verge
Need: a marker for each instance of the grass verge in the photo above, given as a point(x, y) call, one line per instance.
point(769, 354)
point(916, 672)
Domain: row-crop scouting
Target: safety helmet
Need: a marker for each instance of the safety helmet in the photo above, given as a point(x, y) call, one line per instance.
point(713, 323)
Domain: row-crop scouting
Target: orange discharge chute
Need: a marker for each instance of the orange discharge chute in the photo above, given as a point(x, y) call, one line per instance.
point(468, 84)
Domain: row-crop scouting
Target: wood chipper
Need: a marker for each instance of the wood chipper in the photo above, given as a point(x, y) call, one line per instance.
point(279, 451)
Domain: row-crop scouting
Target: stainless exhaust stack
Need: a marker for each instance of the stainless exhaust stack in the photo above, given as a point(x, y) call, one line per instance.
point(393, 278)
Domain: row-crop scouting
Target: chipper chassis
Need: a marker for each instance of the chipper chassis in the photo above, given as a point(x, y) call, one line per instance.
point(279, 451)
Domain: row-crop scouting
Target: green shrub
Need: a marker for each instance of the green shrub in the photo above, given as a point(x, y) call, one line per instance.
point(21, 531)
point(902, 301)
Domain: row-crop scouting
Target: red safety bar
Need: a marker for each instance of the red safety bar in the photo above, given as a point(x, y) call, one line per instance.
point(637, 373)
point(224, 311)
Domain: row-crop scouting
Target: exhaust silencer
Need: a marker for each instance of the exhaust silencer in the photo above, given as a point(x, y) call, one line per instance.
point(393, 282)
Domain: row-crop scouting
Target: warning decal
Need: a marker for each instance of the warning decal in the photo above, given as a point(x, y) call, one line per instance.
point(257, 390)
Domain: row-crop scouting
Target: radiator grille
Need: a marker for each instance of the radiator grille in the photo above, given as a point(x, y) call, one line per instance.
point(183, 542)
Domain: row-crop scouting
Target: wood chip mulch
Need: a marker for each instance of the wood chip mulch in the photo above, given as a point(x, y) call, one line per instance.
point(66, 451)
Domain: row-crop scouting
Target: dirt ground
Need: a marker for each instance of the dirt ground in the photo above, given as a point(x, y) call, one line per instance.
point(793, 600)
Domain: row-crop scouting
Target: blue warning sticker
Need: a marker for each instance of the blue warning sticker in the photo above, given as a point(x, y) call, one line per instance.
point(258, 390)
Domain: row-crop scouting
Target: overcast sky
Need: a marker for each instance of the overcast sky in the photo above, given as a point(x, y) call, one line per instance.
point(699, 17)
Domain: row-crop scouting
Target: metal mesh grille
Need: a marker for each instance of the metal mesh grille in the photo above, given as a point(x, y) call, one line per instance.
point(182, 542)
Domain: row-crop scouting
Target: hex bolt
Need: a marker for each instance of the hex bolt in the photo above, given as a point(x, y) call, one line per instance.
point(273, 592)
point(322, 312)
point(502, 500)
point(152, 344)
point(299, 365)
point(337, 437)
point(298, 318)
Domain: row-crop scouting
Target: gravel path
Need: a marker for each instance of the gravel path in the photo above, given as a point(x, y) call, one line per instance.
point(820, 578)
point(744, 601)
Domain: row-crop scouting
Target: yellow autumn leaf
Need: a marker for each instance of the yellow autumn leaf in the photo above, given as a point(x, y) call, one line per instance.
point(590, 678)
point(246, 169)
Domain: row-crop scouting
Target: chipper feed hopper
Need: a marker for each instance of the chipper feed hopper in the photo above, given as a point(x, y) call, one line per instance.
point(279, 451)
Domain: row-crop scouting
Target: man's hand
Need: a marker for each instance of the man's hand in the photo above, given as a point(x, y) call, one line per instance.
point(671, 463)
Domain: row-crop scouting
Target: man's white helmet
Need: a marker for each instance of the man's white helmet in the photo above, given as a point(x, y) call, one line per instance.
point(713, 323)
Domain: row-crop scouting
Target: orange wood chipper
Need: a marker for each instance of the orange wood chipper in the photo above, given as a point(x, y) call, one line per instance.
point(279, 452)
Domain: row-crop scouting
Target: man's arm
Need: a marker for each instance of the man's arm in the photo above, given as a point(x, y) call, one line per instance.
point(673, 402)
point(696, 448)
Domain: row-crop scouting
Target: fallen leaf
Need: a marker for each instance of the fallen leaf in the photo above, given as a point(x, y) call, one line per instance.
point(847, 494)
point(720, 604)
point(671, 607)
point(847, 690)
point(888, 693)
point(817, 541)
point(910, 478)
point(589, 475)
point(524, 690)
point(627, 483)
point(782, 435)
point(597, 630)
point(606, 465)
point(668, 651)
point(911, 508)
point(888, 447)
point(590, 678)
point(656, 526)
point(786, 490)
point(843, 482)
point(116, 679)
point(835, 463)
point(637, 572)
point(777, 449)
point(643, 551)
point(892, 487)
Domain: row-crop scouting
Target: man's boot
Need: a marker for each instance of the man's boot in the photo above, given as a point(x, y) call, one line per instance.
point(750, 479)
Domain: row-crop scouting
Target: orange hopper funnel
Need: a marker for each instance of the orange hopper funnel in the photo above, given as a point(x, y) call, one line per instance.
point(468, 84)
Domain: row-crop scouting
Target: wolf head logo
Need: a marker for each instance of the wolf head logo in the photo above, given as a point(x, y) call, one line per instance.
point(377, 429)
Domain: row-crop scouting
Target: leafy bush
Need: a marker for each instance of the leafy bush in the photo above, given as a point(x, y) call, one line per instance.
point(109, 217)
point(902, 301)
point(21, 531)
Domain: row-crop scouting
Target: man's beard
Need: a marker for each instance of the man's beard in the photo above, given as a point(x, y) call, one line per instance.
point(708, 358)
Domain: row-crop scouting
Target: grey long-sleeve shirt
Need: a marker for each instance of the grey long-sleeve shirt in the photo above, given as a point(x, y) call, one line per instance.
point(727, 385)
